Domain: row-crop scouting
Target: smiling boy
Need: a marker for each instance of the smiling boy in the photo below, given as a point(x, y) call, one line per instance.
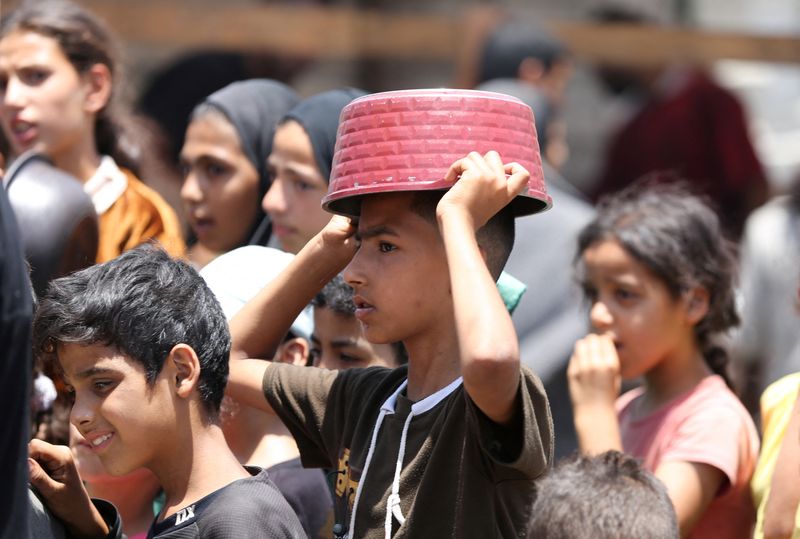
point(448, 446)
point(143, 346)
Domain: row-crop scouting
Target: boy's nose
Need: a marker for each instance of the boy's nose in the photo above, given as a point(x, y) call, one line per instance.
point(274, 201)
point(81, 414)
point(352, 274)
point(600, 317)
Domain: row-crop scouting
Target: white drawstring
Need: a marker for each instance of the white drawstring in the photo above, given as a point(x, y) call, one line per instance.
point(393, 502)
point(364, 473)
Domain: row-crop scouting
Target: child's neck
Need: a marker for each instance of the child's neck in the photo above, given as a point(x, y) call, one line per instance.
point(433, 362)
point(673, 377)
point(133, 498)
point(258, 438)
point(199, 464)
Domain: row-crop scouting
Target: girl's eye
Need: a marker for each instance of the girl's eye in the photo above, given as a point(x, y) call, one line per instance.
point(214, 169)
point(313, 355)
point(624, 295)
point(589, 292)
point(33, 77)
point(386, 247)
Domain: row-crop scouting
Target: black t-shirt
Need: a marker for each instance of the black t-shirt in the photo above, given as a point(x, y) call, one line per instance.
point(247, 508)
point(307, 492)
point(16, 311)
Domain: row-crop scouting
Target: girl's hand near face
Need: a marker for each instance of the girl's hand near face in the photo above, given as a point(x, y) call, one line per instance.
point(594, 385)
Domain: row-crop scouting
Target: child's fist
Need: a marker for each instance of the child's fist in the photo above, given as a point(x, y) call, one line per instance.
point(483, 186)
point(594, 372)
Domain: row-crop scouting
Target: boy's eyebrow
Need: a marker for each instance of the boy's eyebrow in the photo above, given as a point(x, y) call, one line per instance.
point(91, 371)
point(341, 342)
point(379, 230)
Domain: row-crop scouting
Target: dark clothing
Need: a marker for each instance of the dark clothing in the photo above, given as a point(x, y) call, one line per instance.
point(461, 474)
point(307, 492)
point(16, 312)
point(700, 132)
point(249, 508)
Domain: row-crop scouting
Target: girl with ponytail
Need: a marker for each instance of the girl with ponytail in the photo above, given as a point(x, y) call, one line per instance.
point(659, 278)
point(58, 85)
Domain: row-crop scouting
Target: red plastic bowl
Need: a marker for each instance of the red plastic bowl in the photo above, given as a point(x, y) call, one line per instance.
point(407, 140)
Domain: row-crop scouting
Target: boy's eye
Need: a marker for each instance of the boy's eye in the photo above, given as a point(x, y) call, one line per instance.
point(102, 385)
point(345, 358)
point(313, 355)
point(386, 247)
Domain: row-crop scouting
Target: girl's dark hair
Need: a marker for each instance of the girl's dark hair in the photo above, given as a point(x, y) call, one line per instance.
point(85, 41)
point(677, 236)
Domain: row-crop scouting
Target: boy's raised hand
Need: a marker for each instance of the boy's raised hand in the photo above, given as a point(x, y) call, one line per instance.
point(53, 473)
point(337, 237)
point(483, 186)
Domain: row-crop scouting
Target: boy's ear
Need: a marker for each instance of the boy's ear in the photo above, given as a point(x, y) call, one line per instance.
point(697, 304)
point(97, 82)
point(294, 351)
point(185, 369)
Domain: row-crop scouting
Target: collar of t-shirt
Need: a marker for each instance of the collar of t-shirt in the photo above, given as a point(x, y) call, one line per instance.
point(192, 512)
point(106, 185)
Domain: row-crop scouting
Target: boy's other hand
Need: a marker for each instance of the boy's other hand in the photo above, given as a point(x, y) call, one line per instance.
point(594, 372)
point(483, 186)
point(53, 473)
point(337, 236)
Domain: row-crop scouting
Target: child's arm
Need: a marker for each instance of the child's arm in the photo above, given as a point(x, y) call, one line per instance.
point(594, 383)
point(784, 493)
point(258, 328)
point(54, 475)
point(486, 337)
point(691, 486)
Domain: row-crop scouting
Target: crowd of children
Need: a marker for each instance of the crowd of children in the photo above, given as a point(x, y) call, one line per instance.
point(300, 373)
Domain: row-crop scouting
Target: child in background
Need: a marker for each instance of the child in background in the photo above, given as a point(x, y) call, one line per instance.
point(300, 167)
point(224, 162)
point(775, 485)
point(658, 276)
point(338, 342)
point(462, 412)
point(144, 346)
point(607, 496)
point(59, 79)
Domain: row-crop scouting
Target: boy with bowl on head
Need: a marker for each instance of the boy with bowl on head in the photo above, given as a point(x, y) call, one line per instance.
point(449, 445)
point(143, 346)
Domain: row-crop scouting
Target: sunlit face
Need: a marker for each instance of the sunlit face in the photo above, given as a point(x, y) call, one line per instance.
point(399, 273)
point(43, 99)
point(91, 469)
point(220, 187)
point(294, 199)
point(123, 419)
point(338, 343)
point(634, 307)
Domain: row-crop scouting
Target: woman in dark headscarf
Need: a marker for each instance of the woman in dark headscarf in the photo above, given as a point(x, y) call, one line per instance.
point(300, 165)
point(224, 162)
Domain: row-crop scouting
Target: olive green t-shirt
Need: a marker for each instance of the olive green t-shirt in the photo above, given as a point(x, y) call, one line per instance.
point(462, 475)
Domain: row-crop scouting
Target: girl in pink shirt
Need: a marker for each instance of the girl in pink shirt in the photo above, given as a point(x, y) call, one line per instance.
point(658, 275)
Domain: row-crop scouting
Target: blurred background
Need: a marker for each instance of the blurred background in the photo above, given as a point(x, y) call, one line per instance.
point(179, 51)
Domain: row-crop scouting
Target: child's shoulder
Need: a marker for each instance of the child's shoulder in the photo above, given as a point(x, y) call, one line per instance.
point(250, 507)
